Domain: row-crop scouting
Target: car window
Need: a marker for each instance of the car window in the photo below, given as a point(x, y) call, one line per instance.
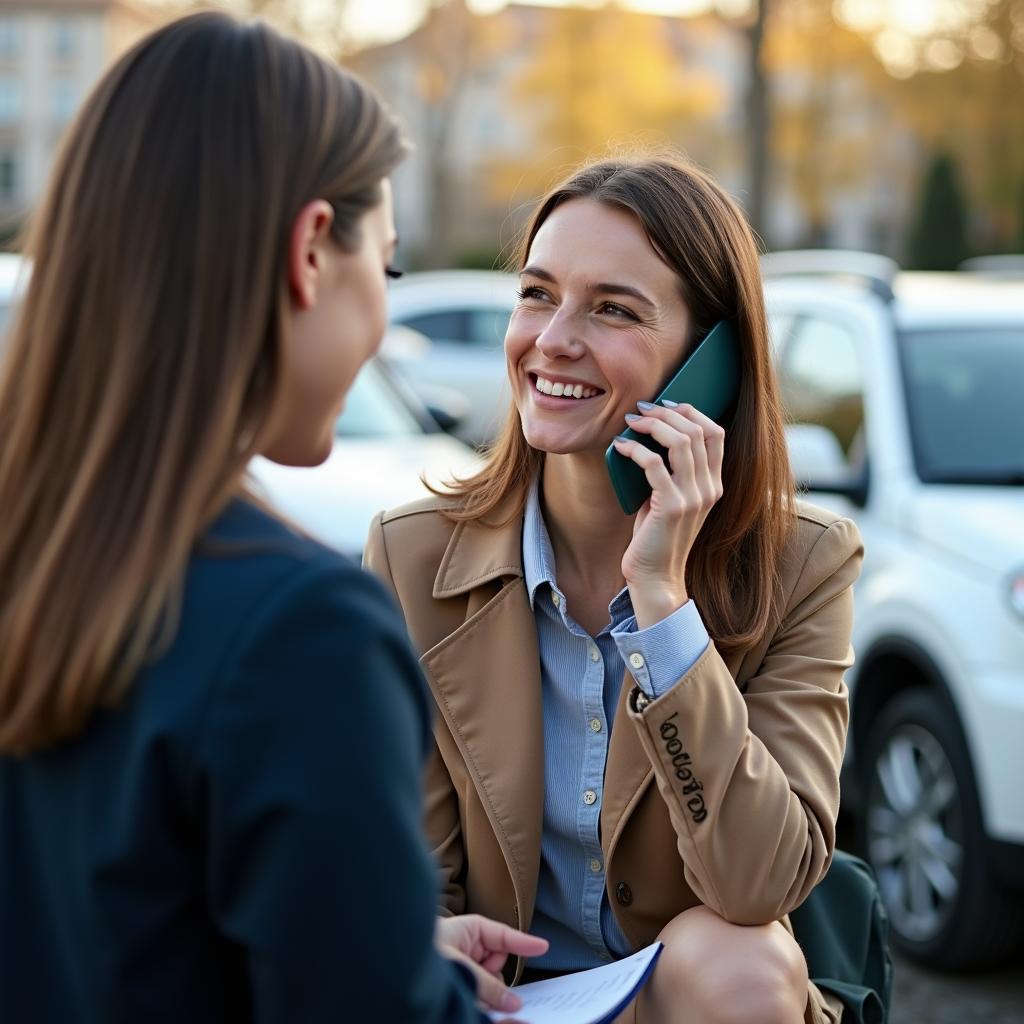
point(822, 382)
point(443, 325)
point(964, 401)
point(374, 409)
point(481, 328)
point(487, 327)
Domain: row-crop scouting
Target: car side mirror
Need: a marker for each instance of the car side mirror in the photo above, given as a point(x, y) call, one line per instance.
point(448, 407)
point(819, 465)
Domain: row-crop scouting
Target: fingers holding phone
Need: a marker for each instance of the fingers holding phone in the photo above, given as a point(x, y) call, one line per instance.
point(682, 495)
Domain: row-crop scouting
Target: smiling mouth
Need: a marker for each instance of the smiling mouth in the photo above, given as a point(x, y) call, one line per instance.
point(562, 389)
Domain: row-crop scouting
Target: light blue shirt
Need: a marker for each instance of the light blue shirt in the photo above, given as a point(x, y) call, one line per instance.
point(581, 677)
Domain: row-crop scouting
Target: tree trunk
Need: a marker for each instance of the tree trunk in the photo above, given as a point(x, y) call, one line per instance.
point(757, 120)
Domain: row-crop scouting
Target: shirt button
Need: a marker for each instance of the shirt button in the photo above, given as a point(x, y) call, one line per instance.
point(595, 654)
point(595, 865)
point(556, 598)
point(624, 894)
point(636, 660)
point(589, 797)
point(595, 725)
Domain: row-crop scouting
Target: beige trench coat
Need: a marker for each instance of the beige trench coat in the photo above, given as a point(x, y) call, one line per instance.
point(724, 791)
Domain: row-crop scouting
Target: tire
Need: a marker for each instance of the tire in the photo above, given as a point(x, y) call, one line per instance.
point(921, 831)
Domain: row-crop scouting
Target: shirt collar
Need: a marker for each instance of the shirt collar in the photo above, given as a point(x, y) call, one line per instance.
point(538, 558)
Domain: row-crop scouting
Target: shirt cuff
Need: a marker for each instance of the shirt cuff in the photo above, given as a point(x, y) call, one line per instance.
point(659, 656)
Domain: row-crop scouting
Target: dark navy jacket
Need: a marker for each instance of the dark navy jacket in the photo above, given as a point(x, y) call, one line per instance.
point(239, 839)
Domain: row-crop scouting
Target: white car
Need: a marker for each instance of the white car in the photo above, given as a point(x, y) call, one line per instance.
point(907, 395)
point(385, 440)
point(463, 315)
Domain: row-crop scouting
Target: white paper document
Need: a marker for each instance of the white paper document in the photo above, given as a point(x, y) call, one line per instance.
point(596, 996)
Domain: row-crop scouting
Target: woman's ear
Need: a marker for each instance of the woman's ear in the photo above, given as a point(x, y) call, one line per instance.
point(311, 231)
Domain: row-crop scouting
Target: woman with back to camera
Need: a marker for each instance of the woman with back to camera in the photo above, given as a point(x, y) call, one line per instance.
point(642, 718)
point(210, 727)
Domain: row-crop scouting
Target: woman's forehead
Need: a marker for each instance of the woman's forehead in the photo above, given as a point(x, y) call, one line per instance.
point(599, 243)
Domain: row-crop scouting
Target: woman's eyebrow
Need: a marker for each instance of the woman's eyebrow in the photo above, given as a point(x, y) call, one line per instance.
point(604, 287)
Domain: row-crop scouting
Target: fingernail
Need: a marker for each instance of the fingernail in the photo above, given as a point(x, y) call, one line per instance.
point(511, 1002)
point(619, 439)
point(632, 416)
point(645, 406)
point(669, 404)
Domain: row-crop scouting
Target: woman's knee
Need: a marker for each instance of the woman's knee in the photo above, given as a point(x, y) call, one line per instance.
point(729, 973)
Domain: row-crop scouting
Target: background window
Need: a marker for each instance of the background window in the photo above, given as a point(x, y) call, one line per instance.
point(8, 175)
point(10, 39)
point(10, 99)
point(63, 99)
point(65, 39)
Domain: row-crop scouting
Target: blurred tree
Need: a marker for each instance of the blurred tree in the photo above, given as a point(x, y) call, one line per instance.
point(598, 80)
point(832, 114)
point(972, 107)
point(938, 236)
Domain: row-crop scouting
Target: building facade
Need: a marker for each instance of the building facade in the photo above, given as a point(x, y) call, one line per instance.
point(51, 54)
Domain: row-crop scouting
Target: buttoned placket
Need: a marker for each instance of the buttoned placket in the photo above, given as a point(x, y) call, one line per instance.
point(596, 728)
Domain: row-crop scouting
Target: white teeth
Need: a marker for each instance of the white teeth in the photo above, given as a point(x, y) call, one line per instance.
point(548, 387)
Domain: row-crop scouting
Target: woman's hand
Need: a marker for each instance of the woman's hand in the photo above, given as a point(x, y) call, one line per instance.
point(654, 565)
point(483, 946)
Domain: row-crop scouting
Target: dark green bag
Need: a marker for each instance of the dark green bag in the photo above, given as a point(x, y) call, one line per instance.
point(844, 933)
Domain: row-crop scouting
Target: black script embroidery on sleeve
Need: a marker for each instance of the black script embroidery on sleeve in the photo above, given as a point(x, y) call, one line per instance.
point(691, 786)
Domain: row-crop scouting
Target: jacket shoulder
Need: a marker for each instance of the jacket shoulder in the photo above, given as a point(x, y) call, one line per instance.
point(822, 545)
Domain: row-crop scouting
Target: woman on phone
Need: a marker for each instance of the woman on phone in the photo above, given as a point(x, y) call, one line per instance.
point(211, 728)
point(642, 718)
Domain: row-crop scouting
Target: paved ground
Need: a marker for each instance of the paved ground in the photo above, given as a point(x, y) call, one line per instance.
point(920, 997)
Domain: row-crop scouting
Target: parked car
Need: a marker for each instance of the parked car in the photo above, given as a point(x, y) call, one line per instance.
point(463, 315)
point(385, 439)
point(905, 392)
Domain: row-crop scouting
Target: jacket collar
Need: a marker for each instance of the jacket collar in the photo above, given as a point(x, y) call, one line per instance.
point(483, 550)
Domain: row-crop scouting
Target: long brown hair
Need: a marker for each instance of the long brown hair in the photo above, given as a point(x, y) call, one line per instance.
point(703, 236)
point(143, 362)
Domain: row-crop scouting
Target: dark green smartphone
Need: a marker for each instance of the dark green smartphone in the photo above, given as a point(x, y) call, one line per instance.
point(709, 380)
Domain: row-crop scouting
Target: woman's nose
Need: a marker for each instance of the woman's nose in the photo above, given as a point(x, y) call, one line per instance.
point(560, 337)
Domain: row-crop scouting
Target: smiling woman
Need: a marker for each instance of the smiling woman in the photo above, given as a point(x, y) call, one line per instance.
point(641, 718)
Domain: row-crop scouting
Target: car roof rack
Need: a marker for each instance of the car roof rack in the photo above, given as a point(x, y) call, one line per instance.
point(1004, 265)
point(872, 269)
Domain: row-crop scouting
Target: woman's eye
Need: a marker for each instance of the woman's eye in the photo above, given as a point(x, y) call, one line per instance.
point(616, 310)
point(531, 292)
point(393, 273)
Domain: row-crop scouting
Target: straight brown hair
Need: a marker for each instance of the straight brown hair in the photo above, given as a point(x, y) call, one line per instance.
point(143, 362)
point(703, 236)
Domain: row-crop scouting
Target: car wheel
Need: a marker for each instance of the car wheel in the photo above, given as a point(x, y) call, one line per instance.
point(923, 835)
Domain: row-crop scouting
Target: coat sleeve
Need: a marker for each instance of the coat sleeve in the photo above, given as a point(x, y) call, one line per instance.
point(751, 779)
point(442, 822)
point(316, 869)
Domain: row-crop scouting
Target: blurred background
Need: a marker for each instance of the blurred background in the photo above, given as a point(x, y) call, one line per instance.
point(878, 150)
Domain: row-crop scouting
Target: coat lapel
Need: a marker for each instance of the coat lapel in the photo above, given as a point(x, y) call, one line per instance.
point(486, 681)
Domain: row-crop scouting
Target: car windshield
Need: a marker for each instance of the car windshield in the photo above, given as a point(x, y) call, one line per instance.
point(373, 408)
point(964, 397)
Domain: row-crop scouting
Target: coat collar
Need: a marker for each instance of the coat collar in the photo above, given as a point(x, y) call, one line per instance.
point(483, 550)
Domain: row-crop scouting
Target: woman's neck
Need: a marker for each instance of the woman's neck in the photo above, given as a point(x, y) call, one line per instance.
point(589, 531)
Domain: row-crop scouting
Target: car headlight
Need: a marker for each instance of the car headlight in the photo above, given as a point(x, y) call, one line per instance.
point(1016, 592)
